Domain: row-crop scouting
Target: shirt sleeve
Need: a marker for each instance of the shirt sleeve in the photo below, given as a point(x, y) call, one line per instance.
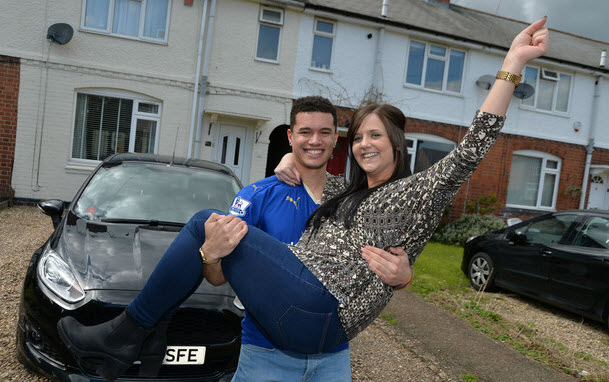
point(247, 205)
point(334, 186)
point(425, 195)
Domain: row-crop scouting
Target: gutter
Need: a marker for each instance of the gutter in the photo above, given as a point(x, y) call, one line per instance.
point(440, 35)
point(590, 148)
point(195, 95)
point(201, 110)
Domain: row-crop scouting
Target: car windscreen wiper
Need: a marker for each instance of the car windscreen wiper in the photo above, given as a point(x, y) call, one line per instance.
point(151, 222)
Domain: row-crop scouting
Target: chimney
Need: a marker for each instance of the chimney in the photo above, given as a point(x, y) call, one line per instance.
point(384, 8)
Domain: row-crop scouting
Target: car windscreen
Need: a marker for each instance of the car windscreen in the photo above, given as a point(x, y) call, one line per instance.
point(154, 191)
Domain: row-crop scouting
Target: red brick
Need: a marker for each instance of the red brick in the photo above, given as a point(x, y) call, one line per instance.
point(10, 68)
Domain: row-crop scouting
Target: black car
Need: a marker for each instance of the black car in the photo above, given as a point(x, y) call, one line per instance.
point(561, 258)
point(103, 250)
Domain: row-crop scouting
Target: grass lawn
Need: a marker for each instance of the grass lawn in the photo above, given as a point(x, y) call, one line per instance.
point(438, 268)
point(439, 279)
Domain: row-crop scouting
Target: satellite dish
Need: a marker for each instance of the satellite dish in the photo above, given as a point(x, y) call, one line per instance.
point(61, 33)
point(485, 81)
point(524, 91)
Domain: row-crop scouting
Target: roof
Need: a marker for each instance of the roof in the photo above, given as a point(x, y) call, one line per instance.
point(179, 161)
point(466, 25)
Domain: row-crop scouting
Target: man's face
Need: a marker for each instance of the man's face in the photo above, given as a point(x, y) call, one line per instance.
point(313, 138)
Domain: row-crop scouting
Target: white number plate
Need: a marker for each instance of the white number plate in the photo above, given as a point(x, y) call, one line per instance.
point(184, 355)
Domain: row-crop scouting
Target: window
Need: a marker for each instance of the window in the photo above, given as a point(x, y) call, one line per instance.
point(594, 234)
point(323, 37)
point(435, 67)
point(552, 89)
point(549, 231)
point(141, 19)
point(269, 32)
point(105, 125)
point(424, 150)
point(533, 180)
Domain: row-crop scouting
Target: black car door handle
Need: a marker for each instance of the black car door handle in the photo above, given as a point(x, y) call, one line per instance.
point(546, 252)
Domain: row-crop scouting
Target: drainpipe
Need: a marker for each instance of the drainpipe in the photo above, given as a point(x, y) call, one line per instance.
point(195, 95)
point(210, 26)
point(377, 75)
point(593, 122)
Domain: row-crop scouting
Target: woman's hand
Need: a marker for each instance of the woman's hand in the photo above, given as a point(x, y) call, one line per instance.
point(392, 268)
point(286, 170)
point(526, 46)
point(529, 44)
point(222, 234)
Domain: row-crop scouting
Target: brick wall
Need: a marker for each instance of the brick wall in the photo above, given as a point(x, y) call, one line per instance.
point(9, 99)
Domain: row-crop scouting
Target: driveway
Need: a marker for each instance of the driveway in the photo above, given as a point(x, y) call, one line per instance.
point(426, 343)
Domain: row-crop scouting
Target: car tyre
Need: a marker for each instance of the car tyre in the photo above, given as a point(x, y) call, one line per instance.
point(481, 272)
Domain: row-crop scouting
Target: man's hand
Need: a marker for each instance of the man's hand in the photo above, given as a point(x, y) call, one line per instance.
point(393, 268)
point(222, 234)
point(286, 171)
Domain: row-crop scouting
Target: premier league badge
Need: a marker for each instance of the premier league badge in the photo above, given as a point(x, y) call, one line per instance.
point(239, 206)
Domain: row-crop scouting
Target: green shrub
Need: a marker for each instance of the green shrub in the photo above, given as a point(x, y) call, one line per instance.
point(457, 232)
point(484, 205)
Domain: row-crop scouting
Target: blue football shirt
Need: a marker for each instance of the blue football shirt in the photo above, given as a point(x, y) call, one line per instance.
point(282, 212)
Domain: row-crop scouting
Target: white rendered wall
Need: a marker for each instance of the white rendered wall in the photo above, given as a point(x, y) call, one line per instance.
point(56, 174)
point(51, 75)
point(245, 90)
point(353, 64)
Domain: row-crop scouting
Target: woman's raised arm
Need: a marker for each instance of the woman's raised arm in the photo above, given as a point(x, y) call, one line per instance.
point(529, 44)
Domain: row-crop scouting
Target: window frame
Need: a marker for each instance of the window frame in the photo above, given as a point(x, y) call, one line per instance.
point(542, 75)
point(426, 58)
point(135, 116)
point(279, 25)
point(415, 137)
point(545, 157)
point(323, 34)
point(110, 20)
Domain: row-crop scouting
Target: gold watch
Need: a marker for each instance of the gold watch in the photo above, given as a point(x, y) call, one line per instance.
point(513, 78)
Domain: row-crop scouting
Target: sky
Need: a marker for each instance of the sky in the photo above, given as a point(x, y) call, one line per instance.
point(587, 18)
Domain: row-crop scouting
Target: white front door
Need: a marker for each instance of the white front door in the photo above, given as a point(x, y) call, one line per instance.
point(599, 189)
point(230, 148)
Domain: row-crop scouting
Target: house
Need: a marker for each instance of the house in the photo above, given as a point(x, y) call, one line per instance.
point(215, 80)
point(435, 61)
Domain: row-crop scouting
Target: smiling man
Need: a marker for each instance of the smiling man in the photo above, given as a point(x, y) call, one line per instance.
point(282, 211)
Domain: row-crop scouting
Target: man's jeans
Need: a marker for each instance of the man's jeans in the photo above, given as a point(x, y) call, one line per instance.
point(258, 364)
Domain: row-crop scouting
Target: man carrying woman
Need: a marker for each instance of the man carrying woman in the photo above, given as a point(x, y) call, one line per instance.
point(282, 211)
point(314, 295)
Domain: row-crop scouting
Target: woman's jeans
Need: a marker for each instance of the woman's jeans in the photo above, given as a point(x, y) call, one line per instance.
point(291, 307)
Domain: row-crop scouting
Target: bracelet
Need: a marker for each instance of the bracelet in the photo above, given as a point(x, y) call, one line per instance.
point(511, 77)
point(407, 282)
point(205, 261)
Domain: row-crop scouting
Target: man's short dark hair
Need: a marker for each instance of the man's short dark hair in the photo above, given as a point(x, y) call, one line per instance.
point(312, 104)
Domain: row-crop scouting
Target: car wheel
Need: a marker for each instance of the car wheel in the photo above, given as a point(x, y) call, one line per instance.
point(481, 272)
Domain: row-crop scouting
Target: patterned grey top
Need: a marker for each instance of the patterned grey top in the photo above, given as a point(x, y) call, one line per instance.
point(404, 213)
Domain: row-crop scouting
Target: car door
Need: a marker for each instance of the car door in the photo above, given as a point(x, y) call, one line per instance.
point(579, 272)
point(523, 264)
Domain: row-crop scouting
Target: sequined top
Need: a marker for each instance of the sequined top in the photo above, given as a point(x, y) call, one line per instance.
point(403, 213)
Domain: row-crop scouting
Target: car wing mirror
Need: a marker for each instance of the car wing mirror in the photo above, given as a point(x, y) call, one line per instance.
point(52, 208)
point(516, 237)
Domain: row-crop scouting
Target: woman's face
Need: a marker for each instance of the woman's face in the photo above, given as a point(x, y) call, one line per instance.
point(373, 150)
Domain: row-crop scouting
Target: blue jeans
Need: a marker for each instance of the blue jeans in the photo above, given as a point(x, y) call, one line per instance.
point(291, 307)
point(265, 365)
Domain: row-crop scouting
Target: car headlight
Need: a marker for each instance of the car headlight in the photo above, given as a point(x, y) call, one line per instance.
point(57, 276)
point(470, 238)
